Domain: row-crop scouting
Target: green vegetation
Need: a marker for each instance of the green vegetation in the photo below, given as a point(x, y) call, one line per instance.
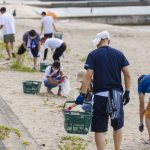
point(1, 56)
point(60, 106)
point(17, 132)
point(46, 100)
point(80, 58)
point(18, 67)
point(68, 50)
point(26, 143)
point(83, 59)
point(2, 45)
point(5, 131)
point(34, 109)
point(72, 143)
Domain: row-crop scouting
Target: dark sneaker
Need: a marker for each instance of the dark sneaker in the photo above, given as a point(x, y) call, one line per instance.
point(8, 59)
point(13, 55)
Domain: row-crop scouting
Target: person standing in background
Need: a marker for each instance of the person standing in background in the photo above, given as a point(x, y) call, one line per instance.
point(7, 23)
point(47, 24)
point(58, 45)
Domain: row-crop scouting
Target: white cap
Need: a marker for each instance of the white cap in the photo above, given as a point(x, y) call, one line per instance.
point(101, 36)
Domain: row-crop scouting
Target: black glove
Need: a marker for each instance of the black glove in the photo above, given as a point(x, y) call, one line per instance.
point(126, 97)
point(141, 127)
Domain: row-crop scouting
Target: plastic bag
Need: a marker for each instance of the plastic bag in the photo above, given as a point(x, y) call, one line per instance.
point(65, 88)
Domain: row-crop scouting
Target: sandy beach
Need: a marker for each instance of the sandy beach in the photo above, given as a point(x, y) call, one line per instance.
point(44, 119)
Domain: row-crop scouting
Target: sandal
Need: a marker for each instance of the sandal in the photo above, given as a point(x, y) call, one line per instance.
point(145, 142)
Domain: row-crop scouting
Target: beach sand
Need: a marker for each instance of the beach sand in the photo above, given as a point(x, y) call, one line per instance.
point(44, 119)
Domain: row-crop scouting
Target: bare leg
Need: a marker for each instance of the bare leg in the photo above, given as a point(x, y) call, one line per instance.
point(12, 49)
point(117, 135)
point(147, 120)
point(141, 107)
point(12, 46)
point(8, 50)
point(50, 92)
point(100, 141)
point(35, 62)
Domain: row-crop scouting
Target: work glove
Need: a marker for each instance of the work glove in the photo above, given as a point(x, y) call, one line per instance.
point(61, 80)
point(126, 97)
point(80, 99)
point(141, 127)
point(68, 109)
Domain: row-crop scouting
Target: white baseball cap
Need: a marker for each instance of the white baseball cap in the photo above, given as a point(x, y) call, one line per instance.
point(101, 36)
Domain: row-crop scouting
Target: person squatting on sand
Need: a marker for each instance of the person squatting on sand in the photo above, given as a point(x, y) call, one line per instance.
point(57, 44)
point(54, 77)
point(104, 65)
point(31, 44)
point(88, 98)
point(144, 87)
point(7, 23)
point(47, 24)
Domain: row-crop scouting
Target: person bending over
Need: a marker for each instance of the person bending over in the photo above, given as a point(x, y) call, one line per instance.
point(58, 45)
point(31, 44)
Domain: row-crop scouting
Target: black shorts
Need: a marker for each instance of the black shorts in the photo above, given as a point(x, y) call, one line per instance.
point(49, 35)
point(59, 51)
point(34, 51)
point(100, 116)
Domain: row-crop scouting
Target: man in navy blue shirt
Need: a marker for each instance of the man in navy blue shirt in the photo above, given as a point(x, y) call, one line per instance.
point(144, 87)
point(105, 65)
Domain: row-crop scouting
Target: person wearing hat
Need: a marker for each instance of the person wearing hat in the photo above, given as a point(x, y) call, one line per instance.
point(143, 88)
point(104, 66)
point(7, 23)
point(31, 44)
point(88, 99)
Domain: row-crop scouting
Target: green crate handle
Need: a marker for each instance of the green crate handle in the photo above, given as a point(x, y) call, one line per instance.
point(69, 102)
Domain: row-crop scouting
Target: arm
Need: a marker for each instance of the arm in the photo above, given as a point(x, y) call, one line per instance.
point(51, 81)
point(141, 106)
point(41, 29)
point(39, 45)
point(86, 83)
point(127, 78)
point(1, 26)
point(87, 80)
point(54, 27)
point(61, 73)
point(45, 53)
point(24, 45)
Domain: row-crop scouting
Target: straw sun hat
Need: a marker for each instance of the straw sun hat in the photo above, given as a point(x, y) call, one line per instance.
point(80, 75)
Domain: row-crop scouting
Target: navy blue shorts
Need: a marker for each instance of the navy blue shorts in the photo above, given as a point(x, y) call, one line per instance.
point(100, 116)
point(34, 51)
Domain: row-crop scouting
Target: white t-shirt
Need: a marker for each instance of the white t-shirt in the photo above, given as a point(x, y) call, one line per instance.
point(53, 43)
point(48, 72)
point(7, 20)
point(47, 22)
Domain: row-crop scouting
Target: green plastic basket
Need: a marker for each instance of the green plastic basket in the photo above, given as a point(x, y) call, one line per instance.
point(43, 66)
point(77, 122)
point(31, 87)
point(58, 35)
